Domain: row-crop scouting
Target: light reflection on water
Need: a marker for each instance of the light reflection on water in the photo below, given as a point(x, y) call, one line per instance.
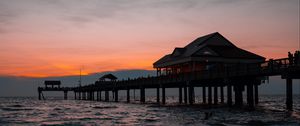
point(29, 111)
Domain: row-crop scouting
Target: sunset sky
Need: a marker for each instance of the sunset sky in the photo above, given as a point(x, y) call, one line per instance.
point(40, 38)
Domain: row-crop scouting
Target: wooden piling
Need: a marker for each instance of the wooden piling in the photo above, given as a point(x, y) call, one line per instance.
point(100, 95)
point(93, 95)
point(191, 94)
point(238, 91)
point(204, 94)
point(128, 95)
point(79, 95)
point(87, 95)
point(229, 95)
point(209, 95)
point(185, 94)
point(222, 94)
point(97, 95)
point(163, 95)
point(180, 95)
point(106, 96)
point(142, 95)
point(215, 95)
point(289, 94)
point(40, 93)
point(250, 99)
point(65, 95)
point(256, 93)
point(157, 95)
point(116, 95)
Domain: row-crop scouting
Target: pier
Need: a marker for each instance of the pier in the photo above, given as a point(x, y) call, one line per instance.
point(210, 63)
point(236, 79)
point(51, 85)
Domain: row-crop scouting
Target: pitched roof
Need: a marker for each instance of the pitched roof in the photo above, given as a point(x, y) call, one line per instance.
point(108, 76)
point(211, 45)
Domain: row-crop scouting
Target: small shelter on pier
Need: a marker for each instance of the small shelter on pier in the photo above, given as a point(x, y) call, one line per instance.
point(212, 51)
point(52, 84)
point(109, 77)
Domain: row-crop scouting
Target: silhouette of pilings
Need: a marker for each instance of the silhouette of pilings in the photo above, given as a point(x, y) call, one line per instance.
point(65, 90)
point(236, 79)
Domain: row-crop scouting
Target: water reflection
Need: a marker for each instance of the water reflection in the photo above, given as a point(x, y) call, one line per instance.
point(26, 111)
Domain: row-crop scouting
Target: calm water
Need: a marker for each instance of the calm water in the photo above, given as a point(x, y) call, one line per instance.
point(30, 111)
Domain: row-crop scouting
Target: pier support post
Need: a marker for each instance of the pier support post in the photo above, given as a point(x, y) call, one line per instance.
point(100, 98)
point(204, 94)
point(163, 95)
point(88, 95)
point(222, 94)
point(191, 94)
point(180, 95)
point(229, 95)
point(289, 94)
point(79, 95)
point(93, 94)
point(209, 95)
point(215, 95)
point(106, 96)
point(128, 95)
point(116, 95)
point(250, 99)
point(97, 95)
point(133, 94)
point(40, 93)
point(157, 95)
point(238, 91)
point(65, 95)
point(142, 95)
point(75, 95)
point(185, 94)
point(83, 95)
point(256, 93)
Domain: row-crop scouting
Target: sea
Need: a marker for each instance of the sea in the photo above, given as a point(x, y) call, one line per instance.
point(29, 111)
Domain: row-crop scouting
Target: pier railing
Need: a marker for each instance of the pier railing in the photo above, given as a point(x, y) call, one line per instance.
point(55, 88)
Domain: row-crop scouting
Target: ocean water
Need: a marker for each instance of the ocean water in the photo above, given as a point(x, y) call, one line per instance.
point(30, 111)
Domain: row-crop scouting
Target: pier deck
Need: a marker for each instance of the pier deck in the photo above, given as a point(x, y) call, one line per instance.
point(235, 78)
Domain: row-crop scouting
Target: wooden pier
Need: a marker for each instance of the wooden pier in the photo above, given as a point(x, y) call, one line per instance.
point(210, 62)
point(235, 78)
point(53, 86)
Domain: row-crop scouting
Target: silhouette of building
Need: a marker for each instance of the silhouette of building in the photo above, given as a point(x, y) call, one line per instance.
point(52, 84)
point(110, 77)
point(211, 51)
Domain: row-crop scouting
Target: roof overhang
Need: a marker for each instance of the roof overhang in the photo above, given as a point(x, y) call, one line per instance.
point(207, 59)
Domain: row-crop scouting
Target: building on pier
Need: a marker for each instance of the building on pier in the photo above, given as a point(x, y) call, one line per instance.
point(206, 52)
point(109, 77)
point(52, 84)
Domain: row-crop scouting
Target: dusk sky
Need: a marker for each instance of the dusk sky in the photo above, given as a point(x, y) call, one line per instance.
point(40, 38)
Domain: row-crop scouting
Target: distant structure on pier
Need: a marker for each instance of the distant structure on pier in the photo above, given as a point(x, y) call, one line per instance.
point(52, 84)
point(109, 77)
point(212, 51)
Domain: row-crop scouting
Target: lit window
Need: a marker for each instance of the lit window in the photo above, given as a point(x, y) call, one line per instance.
point(207, 53)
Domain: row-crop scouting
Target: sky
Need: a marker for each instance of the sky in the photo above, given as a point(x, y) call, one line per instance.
point(45, 38)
